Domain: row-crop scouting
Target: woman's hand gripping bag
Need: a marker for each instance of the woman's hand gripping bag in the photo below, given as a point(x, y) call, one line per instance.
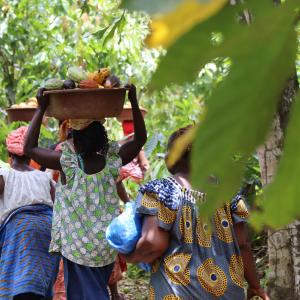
point(124, 231)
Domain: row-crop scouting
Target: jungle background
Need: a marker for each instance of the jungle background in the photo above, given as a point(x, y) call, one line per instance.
point(230, 67)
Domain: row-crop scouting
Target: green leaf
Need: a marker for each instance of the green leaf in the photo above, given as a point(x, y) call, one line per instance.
point(240, 111)
point(281, 203)
point(113, 29)
point(151, 144)
point(100, 33)
point(195, 48)
point(153, 6)
point(45, 133)
point(121, 26)
point(85, 8)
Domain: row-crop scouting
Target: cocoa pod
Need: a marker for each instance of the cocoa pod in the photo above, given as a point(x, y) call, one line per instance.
point(69, 84)
point(53, 84)
point(112, 81)
point(77, 74)
point(88, 84)
point(100, 75)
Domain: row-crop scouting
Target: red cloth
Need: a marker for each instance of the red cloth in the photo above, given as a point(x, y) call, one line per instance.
point(59, 287)
point(133, 171)
point(34, 165)
point(128, 127)
point(15, 141)
point(120, 266)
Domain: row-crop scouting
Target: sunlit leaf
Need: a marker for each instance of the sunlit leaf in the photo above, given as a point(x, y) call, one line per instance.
point(167, 28)
point(113, 28)
point(281, 203)
point(195, 48)
point(241, 110)
point(151, 144)
point(100, 32)
point(180, 145)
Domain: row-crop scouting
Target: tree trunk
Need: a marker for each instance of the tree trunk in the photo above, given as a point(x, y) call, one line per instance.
point(294, 230)
point(283, 244)
point(10, 83)
point(10, 95)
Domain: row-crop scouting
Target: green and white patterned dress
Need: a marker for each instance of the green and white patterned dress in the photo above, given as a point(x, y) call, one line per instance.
point(84, 208)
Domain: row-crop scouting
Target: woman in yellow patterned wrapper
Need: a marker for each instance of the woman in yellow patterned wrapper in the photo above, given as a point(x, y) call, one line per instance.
point(190, 259)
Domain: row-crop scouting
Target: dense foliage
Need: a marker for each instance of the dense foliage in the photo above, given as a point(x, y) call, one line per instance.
point(39, 40)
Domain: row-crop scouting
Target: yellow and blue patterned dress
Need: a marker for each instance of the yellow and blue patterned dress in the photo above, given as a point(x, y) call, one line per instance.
point(202, 262)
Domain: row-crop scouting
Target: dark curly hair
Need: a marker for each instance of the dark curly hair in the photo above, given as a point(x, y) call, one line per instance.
point(186, 154)
point(92, 139)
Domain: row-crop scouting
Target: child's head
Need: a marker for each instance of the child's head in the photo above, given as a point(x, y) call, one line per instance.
point(91, 139)
point(182, 165)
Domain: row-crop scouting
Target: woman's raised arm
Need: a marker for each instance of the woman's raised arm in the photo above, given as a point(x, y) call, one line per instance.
point(45, 157)
point(131, 149)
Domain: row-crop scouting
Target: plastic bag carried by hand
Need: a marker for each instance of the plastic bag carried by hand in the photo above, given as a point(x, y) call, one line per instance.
point(125, 230)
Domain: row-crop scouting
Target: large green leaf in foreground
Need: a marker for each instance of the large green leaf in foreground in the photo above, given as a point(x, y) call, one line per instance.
point(240, 112)
point(173, 19)
point(281, 198)
point(193, 50)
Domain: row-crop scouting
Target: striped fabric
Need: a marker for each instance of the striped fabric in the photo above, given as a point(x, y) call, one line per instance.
point(25, 263)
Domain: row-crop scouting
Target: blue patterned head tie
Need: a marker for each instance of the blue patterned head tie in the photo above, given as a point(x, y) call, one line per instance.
point(166, 190)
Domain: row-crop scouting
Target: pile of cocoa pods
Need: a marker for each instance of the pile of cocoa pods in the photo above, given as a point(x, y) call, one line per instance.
point(30, 103)
point(79, 78)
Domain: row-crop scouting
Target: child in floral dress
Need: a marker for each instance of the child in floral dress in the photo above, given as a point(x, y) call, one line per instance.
point(86, 198)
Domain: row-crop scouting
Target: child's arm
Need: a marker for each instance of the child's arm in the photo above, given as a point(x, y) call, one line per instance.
point(45, 157)
point(52, 191)
point(152, 244)
point(249, 264)
point(143, 161)
point(131, 149)
point(2, 184)
point(122, 192)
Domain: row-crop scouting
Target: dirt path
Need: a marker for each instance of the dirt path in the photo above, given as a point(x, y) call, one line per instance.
point(135, 284)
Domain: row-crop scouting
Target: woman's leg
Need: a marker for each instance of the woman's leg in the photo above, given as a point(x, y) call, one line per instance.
point(116, 276)
point(59, 287)
point(115, 295)
point(86, 283)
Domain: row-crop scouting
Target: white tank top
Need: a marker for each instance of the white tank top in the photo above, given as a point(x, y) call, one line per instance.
point(23, 188)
